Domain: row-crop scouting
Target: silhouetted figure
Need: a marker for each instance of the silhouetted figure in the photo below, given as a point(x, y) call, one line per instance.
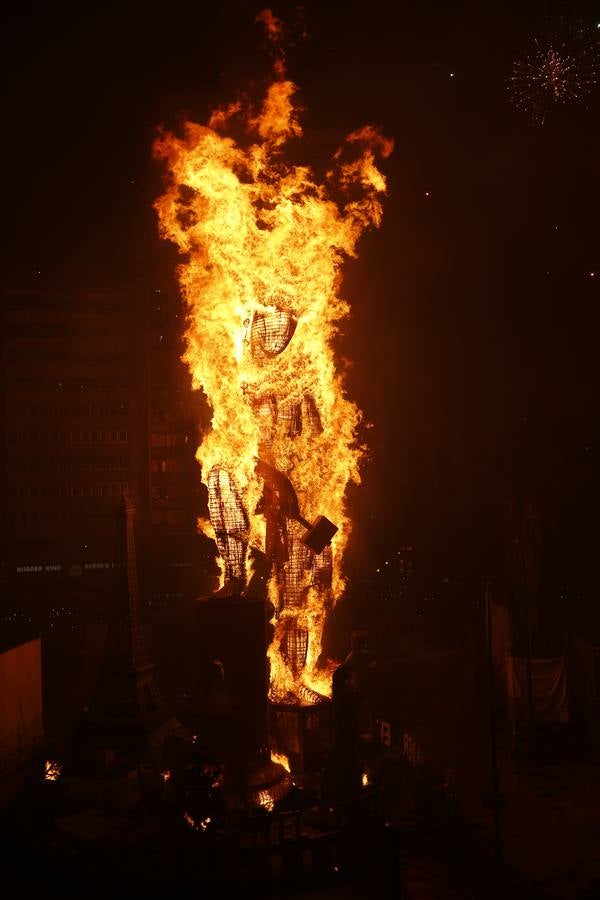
point(346, 709)
point(342, 778)
point(361, 664)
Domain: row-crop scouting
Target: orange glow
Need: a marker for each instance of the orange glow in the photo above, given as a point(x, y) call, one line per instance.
point(273, 26)
point(281, 759)
point(262, 244)
point(52, 770)
point(266, 800)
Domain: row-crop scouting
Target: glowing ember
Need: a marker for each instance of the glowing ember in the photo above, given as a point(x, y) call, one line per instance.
point(266, 800)
point(166, 776)
point(365, 779)
point(281, 759)
point(263, 244)
point(200, 825)
point(52, 770)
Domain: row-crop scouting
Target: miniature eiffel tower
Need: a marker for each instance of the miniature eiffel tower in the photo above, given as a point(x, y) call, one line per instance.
point(127, 723)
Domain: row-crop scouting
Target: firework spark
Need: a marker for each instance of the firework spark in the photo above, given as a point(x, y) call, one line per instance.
point(555, 72)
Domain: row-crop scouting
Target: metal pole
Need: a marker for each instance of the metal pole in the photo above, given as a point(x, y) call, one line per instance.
point(495, 776)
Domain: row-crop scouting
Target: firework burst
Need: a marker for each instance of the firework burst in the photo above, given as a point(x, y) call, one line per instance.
point(555, 72)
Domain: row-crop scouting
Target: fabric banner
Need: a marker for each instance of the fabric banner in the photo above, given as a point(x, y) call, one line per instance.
point(548, 687)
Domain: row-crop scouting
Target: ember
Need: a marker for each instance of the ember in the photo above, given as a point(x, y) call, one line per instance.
point(264, 242)
point(52, 770)
point(200, 825)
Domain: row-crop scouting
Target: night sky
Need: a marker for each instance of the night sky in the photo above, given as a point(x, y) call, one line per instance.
point(475, 317)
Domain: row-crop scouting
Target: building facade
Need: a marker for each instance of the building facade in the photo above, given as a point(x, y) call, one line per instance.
point(93, 406)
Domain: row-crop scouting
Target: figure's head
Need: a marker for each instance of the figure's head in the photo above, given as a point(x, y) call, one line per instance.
point(270, 333)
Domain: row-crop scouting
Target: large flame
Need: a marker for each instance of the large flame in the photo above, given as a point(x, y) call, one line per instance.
point(263, 244)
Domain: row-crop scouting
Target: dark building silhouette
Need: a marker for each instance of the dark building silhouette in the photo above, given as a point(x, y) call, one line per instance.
point(180, 560)
point(95, 404)
point(128, 723)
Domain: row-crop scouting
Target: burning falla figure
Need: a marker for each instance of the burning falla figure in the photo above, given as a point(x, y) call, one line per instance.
point(298, 552)
point(263, 244)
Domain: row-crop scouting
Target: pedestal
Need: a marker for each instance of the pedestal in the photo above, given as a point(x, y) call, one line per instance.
point(303, 733)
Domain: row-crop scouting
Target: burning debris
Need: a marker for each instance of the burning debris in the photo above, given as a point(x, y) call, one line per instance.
point(263, 244)
point(52, 770)
point(281, 759)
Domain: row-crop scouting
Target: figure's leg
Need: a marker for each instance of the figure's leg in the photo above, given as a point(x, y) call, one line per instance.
point(296, 575)
point(294, 647)
point(230, 522)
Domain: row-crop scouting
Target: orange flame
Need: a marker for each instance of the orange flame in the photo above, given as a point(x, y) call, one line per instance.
point(52, 770)
point(281, 759)
point(263, 245)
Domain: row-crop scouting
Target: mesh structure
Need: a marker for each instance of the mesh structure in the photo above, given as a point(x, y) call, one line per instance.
point(301, 570)
point(311, 420)
point(289, 419)
point(296, 575)
point(270, 333)
point(229, 520)
point(266, 413)
point(294, 647)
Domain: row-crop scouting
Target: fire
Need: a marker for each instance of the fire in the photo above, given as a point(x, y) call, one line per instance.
point(52, 770)
point(281, 759)
point(200, 825)
point(263, 242)
point(266, 800)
